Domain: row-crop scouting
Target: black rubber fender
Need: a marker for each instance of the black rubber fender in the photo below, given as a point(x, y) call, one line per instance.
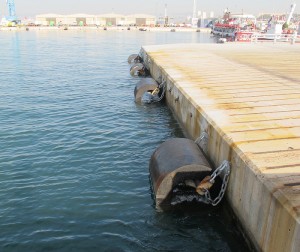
point(136, 65)
point(134, 58)
point(143, 86)
point(174, 162)
point(136, 68)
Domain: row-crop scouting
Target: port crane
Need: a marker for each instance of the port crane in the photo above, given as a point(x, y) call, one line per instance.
point(11, 17)
point(11, 11)
point(289, 17)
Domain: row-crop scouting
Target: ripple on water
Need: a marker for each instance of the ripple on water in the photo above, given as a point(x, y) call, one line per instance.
point(75, 149)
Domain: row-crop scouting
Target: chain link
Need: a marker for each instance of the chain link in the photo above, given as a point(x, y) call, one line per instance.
point(224, 167)
point(155, 98)
point(202, 142)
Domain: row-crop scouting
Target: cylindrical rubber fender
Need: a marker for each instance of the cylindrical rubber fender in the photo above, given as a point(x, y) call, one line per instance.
point(134, 58)
point(136, 68)
point(131, 58)
point(176, 161)
point(136, 65)
point(143, 86)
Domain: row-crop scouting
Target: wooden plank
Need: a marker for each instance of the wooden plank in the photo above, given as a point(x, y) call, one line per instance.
point(277, 159)
point(273, 145)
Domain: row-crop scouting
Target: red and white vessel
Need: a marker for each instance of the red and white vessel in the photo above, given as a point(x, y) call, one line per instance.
point(235, 27)
point(242, 28)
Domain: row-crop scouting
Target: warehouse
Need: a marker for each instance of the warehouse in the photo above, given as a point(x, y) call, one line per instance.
point(112, 19)
point(79, 20)
point(141, 20)
point(48, 19)
point(109, 19)
point(56, 20)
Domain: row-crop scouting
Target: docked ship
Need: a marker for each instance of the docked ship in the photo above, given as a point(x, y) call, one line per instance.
point(235, 27)
point(243, 28)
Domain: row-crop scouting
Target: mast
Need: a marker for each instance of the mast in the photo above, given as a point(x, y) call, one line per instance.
point(194, 18)
point(166, 15)
point(195, 9)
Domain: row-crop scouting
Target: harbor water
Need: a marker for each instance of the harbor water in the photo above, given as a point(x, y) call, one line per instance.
point(75, 149)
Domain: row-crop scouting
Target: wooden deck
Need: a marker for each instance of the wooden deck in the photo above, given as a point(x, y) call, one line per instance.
point(247, 98)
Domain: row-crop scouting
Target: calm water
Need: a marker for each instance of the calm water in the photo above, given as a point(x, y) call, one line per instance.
point(75, 149)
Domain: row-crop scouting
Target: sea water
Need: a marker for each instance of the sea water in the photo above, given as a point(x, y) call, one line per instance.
point(75, 149)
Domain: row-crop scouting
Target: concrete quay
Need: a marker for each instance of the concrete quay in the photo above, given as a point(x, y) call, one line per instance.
point(246, 97)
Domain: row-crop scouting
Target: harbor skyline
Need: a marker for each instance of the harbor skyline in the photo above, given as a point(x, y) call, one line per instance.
point(175, 8)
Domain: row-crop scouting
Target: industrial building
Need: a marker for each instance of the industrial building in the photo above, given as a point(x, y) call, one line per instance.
point(49, 19)
point(78, 19)
point(141, 19)
point(74, 19)
point(109, 19)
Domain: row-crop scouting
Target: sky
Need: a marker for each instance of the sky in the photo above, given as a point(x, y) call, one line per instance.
point(175, 8)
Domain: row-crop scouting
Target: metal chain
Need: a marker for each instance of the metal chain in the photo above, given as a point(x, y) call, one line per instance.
point(225, 166)
point(162, 85)
point(202, 142)
point(201, 137)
